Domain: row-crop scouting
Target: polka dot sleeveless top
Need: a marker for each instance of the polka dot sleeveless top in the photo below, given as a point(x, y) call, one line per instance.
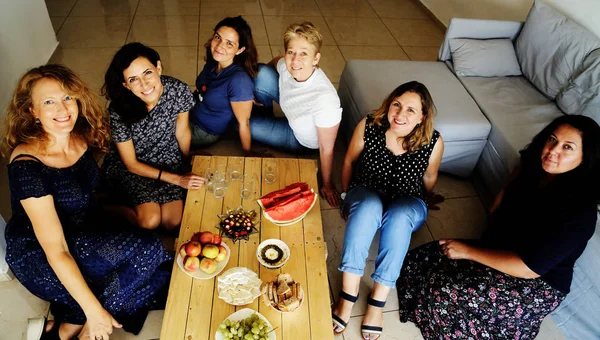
point(395, 176)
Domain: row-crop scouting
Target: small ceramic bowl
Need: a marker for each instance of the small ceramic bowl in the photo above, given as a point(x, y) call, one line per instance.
point(272, 253)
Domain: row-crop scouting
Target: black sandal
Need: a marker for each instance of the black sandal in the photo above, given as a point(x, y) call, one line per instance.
point(337, 321)
point(374, 330)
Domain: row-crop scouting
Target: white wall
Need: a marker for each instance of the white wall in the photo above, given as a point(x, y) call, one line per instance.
point(27, 40)
point(584, 12)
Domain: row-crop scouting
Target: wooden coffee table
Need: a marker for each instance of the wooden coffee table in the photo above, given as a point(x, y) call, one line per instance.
point(194, 310)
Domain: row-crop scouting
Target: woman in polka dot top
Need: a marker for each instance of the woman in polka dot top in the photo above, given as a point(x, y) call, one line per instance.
point(390, 167)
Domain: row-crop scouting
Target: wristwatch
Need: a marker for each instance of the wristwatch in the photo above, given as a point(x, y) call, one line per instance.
point(343, 195)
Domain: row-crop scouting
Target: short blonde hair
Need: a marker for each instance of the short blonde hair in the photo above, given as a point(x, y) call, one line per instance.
point(304, 30)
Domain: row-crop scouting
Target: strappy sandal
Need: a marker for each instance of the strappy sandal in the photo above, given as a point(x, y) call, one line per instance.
point(337, 321)
point(373, 330)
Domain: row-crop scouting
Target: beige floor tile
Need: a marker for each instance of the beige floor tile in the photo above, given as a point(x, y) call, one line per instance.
point(360, 31)
point(422, 53)
point(96, 8)
point(217, 9)
point(289, 7)
point(60, 7)
point(93, 32)
point(276, 26)
point(410, 32)
point(151, 329)
point(168, 7)
point(373, 52)
point(346, 8)
point(402, 9)
point(256, 23)
point(89, 63)
point(454, 187)
point(16, 307)
point(179, 62)
point(458, 218)
point(173, 30)
point(393, 329)
point(57, 23)
point(332, 62)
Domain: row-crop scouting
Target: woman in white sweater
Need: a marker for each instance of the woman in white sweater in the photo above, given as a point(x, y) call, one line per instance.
point(308, 100)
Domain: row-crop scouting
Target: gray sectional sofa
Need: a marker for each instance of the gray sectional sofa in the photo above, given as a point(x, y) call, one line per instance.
point(489, 109)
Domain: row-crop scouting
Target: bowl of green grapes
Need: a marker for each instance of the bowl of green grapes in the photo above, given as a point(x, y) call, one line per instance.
point(245, 324)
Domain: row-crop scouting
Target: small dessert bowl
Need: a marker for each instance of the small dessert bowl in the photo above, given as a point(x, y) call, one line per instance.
point(272, 253)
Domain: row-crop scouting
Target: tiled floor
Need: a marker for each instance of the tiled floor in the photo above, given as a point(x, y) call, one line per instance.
point(91, 31)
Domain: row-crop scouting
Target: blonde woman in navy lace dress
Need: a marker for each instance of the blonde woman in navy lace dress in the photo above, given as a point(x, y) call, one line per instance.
point(95, 275)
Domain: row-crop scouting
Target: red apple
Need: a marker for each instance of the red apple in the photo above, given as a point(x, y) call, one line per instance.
point(222, 254)
point(195, 237)
point(191, 264)
point(210, 250)
point(182, 251)
point(208, 265)
point(193, 248)
point(217, 239)
point(206, 237)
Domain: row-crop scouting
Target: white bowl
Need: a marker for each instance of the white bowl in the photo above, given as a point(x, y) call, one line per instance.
point(238, 286)
point(199, 274)
point(243, 314)
point(274, 242)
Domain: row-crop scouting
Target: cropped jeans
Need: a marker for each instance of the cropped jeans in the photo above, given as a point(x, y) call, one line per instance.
point(269, 130)
point(369, 211)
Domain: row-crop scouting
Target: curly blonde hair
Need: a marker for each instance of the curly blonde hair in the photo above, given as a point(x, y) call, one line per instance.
point(20, 125)
point(423, 132)
point(306, 30)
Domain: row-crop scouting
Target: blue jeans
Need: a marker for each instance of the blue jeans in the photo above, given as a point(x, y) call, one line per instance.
point(269, 130)
point(266, 85)
point(369, 211)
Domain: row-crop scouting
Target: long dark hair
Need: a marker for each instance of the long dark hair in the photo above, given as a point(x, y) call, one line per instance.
point(582, 182)
point(126, 104)
point(423, 133)
point(249, 57)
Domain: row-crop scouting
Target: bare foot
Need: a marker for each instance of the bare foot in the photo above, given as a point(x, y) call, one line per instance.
point(373, 317)
point(342, 309)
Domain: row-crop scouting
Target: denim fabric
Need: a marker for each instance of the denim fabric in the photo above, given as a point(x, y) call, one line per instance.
point(368, 211)
point(266, 85)
point(274, 132)
point(200, 137)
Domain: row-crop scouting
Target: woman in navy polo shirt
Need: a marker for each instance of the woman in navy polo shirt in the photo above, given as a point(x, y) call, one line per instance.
point(503, 285)
point(225, 89)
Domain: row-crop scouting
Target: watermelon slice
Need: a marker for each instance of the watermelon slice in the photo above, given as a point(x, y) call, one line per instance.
point(291, 210)
point(274, 197)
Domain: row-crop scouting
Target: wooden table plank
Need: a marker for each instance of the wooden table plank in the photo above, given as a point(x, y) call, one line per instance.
point(174, 321)
point(317, 280)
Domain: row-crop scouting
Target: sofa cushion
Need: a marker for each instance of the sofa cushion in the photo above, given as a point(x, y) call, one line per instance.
point(551, 49)
point(582, 94)
point(484, 58)
point(516, 110)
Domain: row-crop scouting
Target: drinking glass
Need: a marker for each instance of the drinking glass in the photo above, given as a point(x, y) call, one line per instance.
point(209, 174)
point(220, 186)
point(223, 175)
point(270, 170)
point(247, 186)
point(235, 168)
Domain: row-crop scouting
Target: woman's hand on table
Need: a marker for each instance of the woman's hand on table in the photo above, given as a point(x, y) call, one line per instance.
point(454, 249)
point(191, 181)
point(99, 325)
point(330, 193)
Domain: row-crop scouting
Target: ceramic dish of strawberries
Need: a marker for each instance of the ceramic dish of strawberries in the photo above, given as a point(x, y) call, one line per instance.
point(204, 256)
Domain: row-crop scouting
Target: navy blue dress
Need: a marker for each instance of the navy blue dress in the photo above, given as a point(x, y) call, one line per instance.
point(128, 270)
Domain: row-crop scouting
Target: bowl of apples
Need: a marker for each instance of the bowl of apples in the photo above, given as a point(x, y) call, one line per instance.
point(204, 256)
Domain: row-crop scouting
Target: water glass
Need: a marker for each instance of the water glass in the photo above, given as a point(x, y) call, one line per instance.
point(209, 174)
point(223, 175)
point(270, 170)
point(219, 186)
point(247, 187)
point(235, 168)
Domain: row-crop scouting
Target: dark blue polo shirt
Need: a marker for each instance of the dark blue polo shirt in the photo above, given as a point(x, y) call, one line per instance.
point(232, 84)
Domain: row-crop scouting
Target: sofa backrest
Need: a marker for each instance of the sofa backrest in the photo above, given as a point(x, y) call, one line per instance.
point(551, 49)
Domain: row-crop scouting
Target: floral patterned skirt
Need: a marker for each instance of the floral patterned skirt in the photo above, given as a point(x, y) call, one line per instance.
point(449, 299)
